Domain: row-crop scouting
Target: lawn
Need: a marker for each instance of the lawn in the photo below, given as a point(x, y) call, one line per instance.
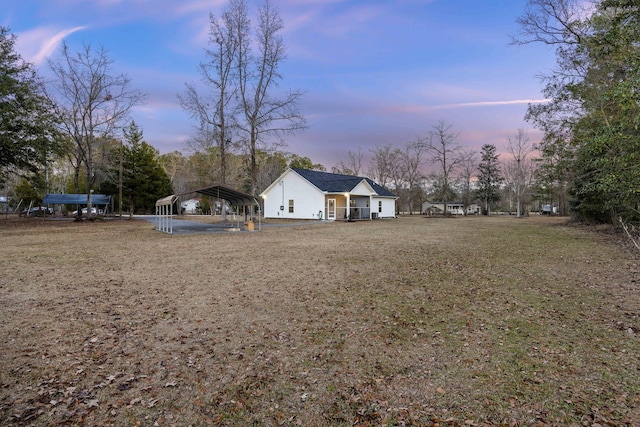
point(412, 321)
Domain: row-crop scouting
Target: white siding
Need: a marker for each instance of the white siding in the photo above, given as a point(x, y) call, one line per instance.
point(190, 205)
point(362, 189)
point(307, 199)
point(388, 207)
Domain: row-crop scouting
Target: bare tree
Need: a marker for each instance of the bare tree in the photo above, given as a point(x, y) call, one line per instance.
point(75, 160)
point(214, 111)
point(520, 147)
point(413, 160)
point(447, 154)
point(518, 182)
point(563, 24)
point(383, 164)
point(265, 112)
point(176, 167)
point(206, 142)
point(553, 22)
point(400, 170)
point(94, 103)
point(468, 169)
point(353, 165)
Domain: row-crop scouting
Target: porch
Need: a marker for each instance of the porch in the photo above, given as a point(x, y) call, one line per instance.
point(348, 208)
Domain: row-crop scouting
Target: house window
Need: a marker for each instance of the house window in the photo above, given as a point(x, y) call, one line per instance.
point(290, 205)
point(380, 206)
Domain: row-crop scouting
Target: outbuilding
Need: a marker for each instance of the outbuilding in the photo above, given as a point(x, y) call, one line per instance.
point(103, 202)
point(231, 197)
point(453, 208)
point(308, 194)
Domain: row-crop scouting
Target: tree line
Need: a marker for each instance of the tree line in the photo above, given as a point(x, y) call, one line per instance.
point(438, 168)
point(75, 128)
point(590, 151)
point(588, 161)
point(91, 143)
point(77, 134)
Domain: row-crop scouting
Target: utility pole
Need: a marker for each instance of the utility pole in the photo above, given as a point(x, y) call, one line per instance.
point(120, 185)
point(518, 189)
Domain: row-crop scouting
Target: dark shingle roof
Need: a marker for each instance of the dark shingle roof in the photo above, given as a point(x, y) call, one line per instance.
point(337, 183)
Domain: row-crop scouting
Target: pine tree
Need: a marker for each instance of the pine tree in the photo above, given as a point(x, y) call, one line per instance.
point(144, 180)
point(28, 122)
point(489, 178)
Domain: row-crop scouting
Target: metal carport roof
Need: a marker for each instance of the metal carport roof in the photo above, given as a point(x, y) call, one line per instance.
point(235, 198)
point(75, 199)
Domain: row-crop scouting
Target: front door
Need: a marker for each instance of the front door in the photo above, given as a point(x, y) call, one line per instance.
point(331, 209)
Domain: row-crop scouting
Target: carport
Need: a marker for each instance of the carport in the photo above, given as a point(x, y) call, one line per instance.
point(77, 199)
point(164, 206)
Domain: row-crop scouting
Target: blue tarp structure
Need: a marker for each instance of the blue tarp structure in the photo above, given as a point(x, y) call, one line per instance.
point(75, 199)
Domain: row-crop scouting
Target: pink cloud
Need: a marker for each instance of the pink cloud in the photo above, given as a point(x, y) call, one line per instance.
point(38, 45)
point(491, 103)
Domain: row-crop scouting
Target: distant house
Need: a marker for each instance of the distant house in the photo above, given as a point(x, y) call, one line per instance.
point(307, 194)
point(190, 206)
point(549, 210)
point(453, 208)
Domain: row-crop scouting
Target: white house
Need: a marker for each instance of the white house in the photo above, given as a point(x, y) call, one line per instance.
point(190, 206)
point(453, 208)
point(307, 194)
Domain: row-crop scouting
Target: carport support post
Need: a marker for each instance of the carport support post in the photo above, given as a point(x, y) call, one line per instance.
point(259, 218)
point(164, 214)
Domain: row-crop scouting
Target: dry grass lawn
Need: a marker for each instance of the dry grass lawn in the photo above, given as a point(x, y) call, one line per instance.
point(413, 321)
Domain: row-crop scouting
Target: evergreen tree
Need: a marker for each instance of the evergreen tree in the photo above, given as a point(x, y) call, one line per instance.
point(28, 134)
point(607, 184)
point(144, 180)
point(489, 177)
point(591, 141)
point(296, 161)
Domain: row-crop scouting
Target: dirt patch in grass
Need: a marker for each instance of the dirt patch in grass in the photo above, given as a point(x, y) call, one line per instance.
point(412, 321)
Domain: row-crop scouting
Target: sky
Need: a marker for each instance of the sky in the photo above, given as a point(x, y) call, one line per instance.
point(374, 72)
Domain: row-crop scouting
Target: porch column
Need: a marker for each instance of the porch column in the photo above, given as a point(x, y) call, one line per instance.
point(348, 210)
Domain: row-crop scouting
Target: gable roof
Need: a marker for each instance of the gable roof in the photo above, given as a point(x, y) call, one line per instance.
point(337, 183)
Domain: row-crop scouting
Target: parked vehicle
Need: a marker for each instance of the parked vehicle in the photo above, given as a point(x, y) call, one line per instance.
point(37, 211)
point(83, 211)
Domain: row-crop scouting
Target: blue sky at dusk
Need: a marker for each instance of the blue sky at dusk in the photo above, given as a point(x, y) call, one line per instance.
point(374, 72)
